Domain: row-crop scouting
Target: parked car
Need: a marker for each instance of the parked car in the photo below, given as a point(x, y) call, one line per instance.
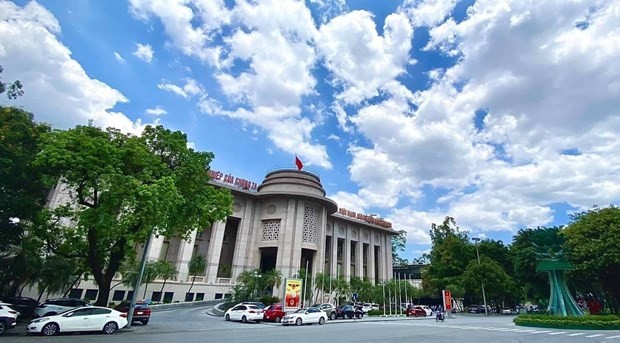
point(8, 318)
point(274, 313)
point(23, 305)
point(367, 307)
point(244, 313)
point(55, 306)
point(11, 309)
point(255, 303)
point(474, 309)
point(311, 315)
point(348, 311)
point(91, 318)
point(415, 312)
point(329, 309)
point(141, 313)
point(425, 308)
point(508, 310)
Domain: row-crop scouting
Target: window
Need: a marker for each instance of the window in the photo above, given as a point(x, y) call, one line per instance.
point(218, 295)
point(100, 311)
point(76, 293)
point(200, 297)
point(91, 294)
point(239, 308)
point(163, 253)
point(168, 297)
point(118, 295)
point(156, 296)
point(189, 296)
point(82, 312)
point(129, 295)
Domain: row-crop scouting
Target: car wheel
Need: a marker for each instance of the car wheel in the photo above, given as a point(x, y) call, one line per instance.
point(50, 329)
point(227, 317)
point(359, 316)
point(298, 322)
point(321, 321)
point(2, 327)
point(333, 316)
point(278, 319)
point(110, 328)
point(244, 319)
point(144, 322)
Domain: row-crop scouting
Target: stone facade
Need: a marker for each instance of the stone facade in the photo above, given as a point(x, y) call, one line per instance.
point(285, 224)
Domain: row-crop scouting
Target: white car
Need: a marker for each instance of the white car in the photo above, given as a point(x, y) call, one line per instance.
point(310, 315)
point(366, 307)
point(55, 306)
point(91, 318)
point(8, 318)
point(9, 307)
point(426, 309)
point(244, 313)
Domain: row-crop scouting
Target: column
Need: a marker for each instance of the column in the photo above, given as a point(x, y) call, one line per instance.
point(371, 258)
point(359, 256)
point(215, 250)
point(242, 253)
point(288, 259)
point(346, 256)
point(334, 260)
point(388, 256)
point(155, 249)
point(185, 254)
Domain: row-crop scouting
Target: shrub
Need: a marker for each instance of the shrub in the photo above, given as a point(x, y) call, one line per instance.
point(606, 322)
point(268, 300)
point(374, 313)
point(227, 305)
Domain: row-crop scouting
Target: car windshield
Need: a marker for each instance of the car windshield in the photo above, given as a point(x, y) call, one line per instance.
point(301, 310)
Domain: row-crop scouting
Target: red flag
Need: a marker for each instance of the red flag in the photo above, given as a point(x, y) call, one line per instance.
point(298, 163)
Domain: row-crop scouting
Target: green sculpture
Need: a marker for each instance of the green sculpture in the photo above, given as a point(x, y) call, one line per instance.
point(554, 263)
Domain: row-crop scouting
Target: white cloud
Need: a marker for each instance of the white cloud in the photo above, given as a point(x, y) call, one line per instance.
point(428, 12)
point(156, 111)
point(119, 57)
point(144, 52)
point(191, 88)
point(361, 60)
point(57, 89)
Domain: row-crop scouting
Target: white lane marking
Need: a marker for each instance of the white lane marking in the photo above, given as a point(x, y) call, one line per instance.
point(557, 333)
point(614, 336)
point(597, 335)
point(577, 334)
point(525, 330)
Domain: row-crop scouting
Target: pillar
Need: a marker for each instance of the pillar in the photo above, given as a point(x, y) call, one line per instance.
point(215, 250)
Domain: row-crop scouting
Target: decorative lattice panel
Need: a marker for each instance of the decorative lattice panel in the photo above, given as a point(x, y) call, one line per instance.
point(311, 220)
point(271, 230)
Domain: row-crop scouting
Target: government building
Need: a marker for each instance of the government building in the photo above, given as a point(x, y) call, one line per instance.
point(286, 223)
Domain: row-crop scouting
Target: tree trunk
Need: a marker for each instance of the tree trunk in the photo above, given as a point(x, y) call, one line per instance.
point(72, 285)
point(161, 291)
point(104, 294)
point(41, 294)
point(192, 285)
point(145, 287)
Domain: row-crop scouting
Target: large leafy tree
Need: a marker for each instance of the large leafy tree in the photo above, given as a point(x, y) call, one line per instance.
point(197, 265)
point(498, 285)
point(166, 271)
point(399, 243)
point(123, 188)
point(22, 194)
point(450, 254)
point(13, 89)
point(593, 238)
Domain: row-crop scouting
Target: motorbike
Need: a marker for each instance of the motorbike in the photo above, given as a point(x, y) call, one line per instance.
point(440, 316)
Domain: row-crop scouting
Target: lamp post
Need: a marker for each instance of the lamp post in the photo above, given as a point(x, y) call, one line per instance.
point(484, 297)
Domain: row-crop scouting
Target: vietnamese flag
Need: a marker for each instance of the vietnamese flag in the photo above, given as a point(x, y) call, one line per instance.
point(298, 163)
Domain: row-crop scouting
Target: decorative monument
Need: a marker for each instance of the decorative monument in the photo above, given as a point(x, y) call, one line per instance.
point(552, 261)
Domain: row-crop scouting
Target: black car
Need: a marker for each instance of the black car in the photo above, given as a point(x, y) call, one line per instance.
point(23, 305)
point(348, 311)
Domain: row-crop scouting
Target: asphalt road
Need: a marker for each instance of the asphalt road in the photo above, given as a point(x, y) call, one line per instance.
point(194, 325)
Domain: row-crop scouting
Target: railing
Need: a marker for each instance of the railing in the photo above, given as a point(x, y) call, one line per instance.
point(198, 279)
point(288, 167)
point(223, 280)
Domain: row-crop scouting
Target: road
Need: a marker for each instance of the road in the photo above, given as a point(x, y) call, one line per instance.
point(194, 325)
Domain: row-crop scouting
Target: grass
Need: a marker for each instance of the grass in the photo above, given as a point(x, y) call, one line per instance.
point(586, 322)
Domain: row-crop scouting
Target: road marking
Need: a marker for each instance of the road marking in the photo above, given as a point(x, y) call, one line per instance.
point(576, 334)
point(542, 331)
point(597, 335)
point(557, 333)
point(614, 336)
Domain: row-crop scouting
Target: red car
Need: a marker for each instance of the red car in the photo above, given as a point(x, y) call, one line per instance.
point(273, 313)
point(141, 313)
point(416, 312)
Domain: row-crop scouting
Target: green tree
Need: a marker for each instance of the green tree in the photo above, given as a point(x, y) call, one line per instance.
point(197, 265)
point(165, 271)
point(399, 243)
point(497, 284)
point(342, 289)
point(450, 254)
point(271, 278)
point(127, 188)
point(592, 239)
point(363, 288)
point(22, 193)
point(13, 90)
point(57, 274)
point(322, 283)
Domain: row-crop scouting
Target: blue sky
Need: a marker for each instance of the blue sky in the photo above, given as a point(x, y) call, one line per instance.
point(502, 114)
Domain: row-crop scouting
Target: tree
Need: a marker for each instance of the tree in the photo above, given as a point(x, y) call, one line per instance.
point(497, 284)
point(13, 90)
point(197, 265)
point(322, 282)
point(22, 193)
point(165, 271)
point(57, 274)
point(124, 188)
point(399, 242)
point(342, 289)
point(450, 254)
point(592, 239)
point(271, 278)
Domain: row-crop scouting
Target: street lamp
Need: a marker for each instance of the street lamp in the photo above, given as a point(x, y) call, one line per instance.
point(484, 297)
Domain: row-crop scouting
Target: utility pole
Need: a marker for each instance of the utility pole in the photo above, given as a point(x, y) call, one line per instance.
point(136, 286)
point(484, 298)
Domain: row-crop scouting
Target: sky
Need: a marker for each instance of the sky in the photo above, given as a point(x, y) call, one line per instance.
point(502, 114)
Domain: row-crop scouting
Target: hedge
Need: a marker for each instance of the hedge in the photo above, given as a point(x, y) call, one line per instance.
point(374, 313)
point(587, 322)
